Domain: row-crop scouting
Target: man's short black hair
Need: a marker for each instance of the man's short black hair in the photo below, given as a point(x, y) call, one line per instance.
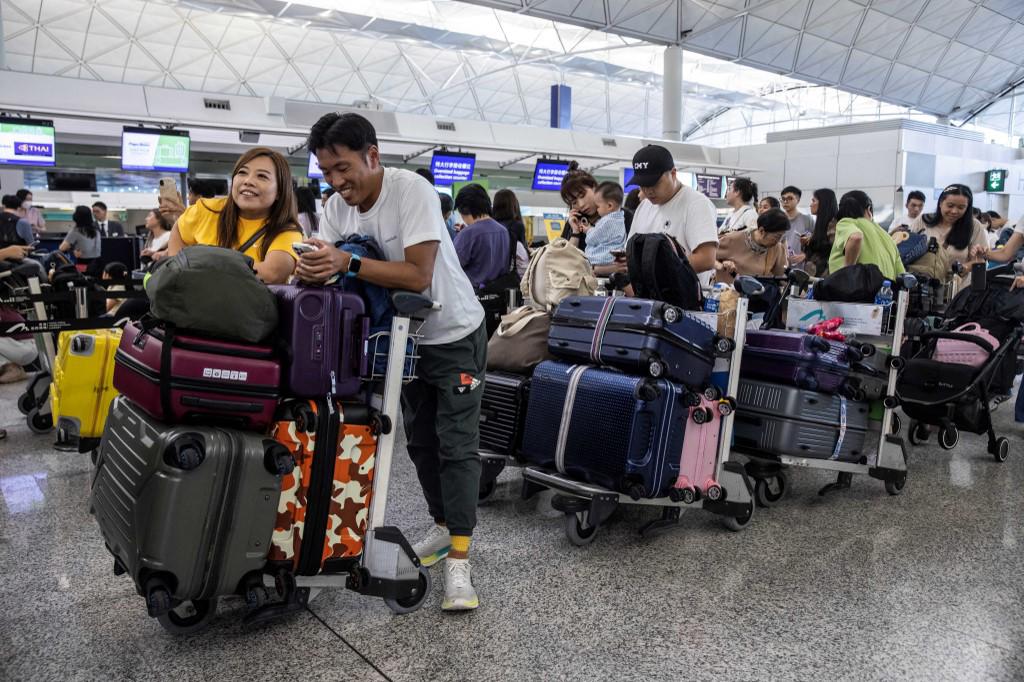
point(11, 201)
point(773, 220)
point(790, 189)
point(99, 204)
point(916, 195)
point(346, 130)
point(425, 173)
point(447, 203)
point(994, 214)
point(116, 269)
point(22, 193)
point(473, 200)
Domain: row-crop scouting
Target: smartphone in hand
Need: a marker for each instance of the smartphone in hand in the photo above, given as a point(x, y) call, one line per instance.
point(301, 247)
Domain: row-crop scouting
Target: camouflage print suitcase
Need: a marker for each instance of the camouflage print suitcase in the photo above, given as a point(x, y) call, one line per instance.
point(322, 511)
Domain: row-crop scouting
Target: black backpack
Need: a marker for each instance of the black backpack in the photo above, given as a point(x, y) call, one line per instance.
point(852, 284)
point(660, 270)
point(9, 231)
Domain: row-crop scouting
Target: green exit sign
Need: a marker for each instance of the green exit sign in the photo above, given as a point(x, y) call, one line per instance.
point(995, 180)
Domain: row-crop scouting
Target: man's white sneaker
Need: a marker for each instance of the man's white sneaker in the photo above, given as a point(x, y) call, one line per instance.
point(434, 546)
point(459, 594)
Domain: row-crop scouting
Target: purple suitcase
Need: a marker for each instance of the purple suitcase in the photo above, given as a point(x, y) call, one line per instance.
point(326, 330)
point(798, 359)
point(178, 378)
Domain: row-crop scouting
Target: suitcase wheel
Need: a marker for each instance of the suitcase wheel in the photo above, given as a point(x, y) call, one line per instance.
point(119, 568)
point(713, 491)
point(655, 368)
point(185, 453)
point(726, 406)
point(158, 601)
point(702, 415)
point(636, 492)
point(305, 418)
point(691, 399)
point(671, 314)
point(713, 393)
point(80, 343)
point(256, 596)
point(685, 495)
point(188, 617)
point(277, 459)
point(724, 346)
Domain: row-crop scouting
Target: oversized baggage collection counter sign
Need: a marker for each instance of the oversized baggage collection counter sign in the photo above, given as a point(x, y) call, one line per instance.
point(548, 174)
point(27, 142)
point(155, 150)
point(451, 167)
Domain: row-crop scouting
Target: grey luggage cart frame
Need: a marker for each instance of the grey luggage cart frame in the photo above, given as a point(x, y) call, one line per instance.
point(388, 567)
point(586, 507)
point(888, 461)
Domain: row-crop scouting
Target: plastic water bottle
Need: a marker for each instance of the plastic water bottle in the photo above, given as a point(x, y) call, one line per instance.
point(810, 293)
point(711, 303)
point(884, 295)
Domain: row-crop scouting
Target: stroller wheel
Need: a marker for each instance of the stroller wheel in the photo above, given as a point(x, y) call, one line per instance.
point(949, 436)
point(918, 433)
point(1001, 450)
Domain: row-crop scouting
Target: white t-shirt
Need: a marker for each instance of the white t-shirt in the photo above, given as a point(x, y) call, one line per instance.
point(742, 218)
point(689, 216)
point(408, 212)
point(161, 242)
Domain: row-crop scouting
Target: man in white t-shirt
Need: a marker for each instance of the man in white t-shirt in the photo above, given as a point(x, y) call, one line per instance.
point(915, 204)
point(401, 211)
point(674, 209)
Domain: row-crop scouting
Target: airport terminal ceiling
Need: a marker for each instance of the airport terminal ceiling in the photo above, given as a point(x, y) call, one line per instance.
point(749, 67)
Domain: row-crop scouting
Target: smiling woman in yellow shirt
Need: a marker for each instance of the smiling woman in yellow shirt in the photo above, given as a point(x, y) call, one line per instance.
point(261, 196)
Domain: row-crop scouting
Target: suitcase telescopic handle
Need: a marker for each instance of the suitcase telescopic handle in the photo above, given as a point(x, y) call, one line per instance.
point(221, 405)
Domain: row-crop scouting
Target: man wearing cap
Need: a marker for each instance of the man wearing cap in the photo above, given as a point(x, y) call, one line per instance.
point(674, 209)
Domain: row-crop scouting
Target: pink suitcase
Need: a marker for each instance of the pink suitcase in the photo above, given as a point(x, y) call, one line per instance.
point(700, 453)
point(179, 378)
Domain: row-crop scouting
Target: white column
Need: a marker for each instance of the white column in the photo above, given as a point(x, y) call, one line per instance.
point(672, 94)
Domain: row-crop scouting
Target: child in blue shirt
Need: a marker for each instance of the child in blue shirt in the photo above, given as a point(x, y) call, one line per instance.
point(609, 234)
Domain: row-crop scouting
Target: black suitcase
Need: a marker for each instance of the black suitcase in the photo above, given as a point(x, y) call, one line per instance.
point(785, 420)
point(503, 413)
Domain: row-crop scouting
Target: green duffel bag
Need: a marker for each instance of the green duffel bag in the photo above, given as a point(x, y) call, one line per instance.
point(211, 290)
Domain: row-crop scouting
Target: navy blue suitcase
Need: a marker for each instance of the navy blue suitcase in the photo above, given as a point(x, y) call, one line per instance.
point(621, 432)
point(644, 337)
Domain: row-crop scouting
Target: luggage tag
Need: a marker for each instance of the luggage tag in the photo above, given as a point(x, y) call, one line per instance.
point(842, 427)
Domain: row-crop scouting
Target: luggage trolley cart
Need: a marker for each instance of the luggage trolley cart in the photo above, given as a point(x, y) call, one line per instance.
point(888, 462)
point(388, 567)
point(586, 506)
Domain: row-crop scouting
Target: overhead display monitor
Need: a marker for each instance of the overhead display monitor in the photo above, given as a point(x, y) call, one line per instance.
point(451, 167)
point(709, 185)
point(548, 174)
point(314, 168)
point(27, 142)
point(627, 181)
point(148, 149)
point(70, 181)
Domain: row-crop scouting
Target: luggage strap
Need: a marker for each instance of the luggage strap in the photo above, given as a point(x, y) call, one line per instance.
point(599, 330)
point(842, 427)
point(575, 375)
point(165, 371)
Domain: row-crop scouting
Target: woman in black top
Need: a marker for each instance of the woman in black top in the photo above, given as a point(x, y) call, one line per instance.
point(507, 212)
point(818, 245)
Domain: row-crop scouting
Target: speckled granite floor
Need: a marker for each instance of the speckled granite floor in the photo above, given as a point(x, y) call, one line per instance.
point(858, 586)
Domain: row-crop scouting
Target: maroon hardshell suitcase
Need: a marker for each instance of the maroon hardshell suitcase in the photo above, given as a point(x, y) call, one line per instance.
point(325, 330)
point(798, 359)
point(178, 378)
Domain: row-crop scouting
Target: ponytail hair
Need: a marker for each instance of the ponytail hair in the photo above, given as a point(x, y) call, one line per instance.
point(747, 189)
point(575, 182)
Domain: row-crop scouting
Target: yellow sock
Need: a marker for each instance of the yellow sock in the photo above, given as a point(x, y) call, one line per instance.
point(460, 543)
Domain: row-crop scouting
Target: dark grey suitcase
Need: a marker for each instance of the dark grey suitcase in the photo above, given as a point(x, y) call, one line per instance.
point(187, 511)
point(784, 420)
point(503, 413)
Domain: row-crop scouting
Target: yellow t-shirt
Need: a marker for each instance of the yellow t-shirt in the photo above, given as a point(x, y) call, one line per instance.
point(198, 225)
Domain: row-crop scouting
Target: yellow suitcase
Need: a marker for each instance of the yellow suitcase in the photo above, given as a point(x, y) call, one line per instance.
point(83, 383)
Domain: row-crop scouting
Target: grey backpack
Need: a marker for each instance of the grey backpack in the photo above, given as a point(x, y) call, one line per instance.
point(212, 290)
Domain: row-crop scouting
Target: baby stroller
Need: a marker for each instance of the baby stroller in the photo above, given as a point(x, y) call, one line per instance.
point(955, 396)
